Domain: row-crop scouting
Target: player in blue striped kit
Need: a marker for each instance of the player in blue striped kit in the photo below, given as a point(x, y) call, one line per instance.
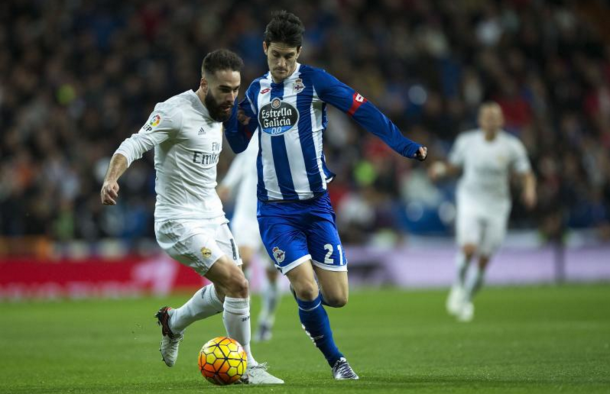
point(296, 219)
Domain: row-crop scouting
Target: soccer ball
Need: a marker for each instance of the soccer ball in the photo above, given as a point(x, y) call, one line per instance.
point(222, 361)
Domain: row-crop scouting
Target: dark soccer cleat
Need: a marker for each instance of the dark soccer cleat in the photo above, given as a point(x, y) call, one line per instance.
point(169, 341)
point(342, 370)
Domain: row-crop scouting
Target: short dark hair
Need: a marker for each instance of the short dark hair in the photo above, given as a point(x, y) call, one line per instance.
point(221, 59)
point(286, 28)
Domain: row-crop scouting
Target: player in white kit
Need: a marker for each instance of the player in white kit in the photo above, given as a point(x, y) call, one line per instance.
point(186, 132)
point(240, 181)
point(486, 158)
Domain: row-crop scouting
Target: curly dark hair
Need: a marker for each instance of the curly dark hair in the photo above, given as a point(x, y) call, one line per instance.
point(221, 59)
point(285, 28)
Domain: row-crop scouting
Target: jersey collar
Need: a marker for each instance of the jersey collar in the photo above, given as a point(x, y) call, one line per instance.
point(197, 104)
point(288, 78)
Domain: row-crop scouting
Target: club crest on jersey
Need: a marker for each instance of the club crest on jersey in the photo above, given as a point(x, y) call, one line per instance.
point(206, 253)
point(277, 117)
point(278, 254)
point(298, 85)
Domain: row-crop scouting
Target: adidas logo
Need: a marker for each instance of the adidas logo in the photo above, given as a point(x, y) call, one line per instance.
point(201, 131)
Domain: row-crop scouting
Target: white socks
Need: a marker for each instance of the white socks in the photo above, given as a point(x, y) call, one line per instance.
point(236, 319)
point(461, 264)
point(475, 281)
point(269, 304)
point(204, 303)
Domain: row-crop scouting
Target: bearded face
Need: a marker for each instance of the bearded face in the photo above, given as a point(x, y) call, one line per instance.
point(220, 111)
point(221, 89)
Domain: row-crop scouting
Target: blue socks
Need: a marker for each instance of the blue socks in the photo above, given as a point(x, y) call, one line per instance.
point(315, 322)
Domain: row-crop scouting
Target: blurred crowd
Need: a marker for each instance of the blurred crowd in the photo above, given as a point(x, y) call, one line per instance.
point(78, 77)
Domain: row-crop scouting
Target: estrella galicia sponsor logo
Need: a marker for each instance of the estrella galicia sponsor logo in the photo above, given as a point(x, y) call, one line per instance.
point(277, 117)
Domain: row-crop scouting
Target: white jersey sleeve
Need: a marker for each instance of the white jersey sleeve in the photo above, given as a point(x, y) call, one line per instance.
point(520, 162)
point(160, 126)
point(457, 155)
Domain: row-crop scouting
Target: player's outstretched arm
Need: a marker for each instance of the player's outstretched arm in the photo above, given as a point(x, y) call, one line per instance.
point(440, 169)
point(529, 190)
point(110, 188)
point(161, 126)
point(343, 97)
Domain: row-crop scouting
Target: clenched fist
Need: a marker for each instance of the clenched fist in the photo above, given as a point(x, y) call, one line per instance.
point(110, 193)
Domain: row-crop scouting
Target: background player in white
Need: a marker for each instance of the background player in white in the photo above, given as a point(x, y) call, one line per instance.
point(240, 181)
point(486, 157)
point(190, 224)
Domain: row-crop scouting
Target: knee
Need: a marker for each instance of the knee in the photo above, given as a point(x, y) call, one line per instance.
point(237, 286)
point(483, 261)
point(338, 301)
point(307, 292)
point(469, 250)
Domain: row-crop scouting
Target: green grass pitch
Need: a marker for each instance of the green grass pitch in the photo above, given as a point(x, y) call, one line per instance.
point(523, 340)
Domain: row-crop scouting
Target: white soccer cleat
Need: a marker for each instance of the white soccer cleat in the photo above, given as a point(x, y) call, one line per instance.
point(455, 300)
point(169, 341)
point(258, 375)
point(466, 313)
point(342, 370)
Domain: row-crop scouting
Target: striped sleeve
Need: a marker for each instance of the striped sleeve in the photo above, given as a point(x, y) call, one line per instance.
point(334, 92)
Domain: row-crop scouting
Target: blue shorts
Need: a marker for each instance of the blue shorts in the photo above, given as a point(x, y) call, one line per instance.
point(294, 232)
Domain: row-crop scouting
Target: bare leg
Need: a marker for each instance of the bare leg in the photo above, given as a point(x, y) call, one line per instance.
point(334, 286)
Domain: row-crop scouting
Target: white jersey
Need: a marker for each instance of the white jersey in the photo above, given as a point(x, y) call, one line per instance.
point(187, 144)
point(486, 166)
point(242, 177)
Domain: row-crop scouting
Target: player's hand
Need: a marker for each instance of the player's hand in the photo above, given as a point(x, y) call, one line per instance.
point(109, 193)
point(529, 198)
point(421, 153)
point(242, 118)
point(437, 170)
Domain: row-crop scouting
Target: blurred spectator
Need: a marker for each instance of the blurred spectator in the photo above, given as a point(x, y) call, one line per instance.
point(76, 78)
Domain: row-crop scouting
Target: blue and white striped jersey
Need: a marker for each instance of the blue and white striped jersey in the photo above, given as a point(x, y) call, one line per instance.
point(291, 118)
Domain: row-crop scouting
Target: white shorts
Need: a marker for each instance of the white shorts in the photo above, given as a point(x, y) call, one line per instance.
point(485, 230)
point(197, 243)
point(246, 232)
